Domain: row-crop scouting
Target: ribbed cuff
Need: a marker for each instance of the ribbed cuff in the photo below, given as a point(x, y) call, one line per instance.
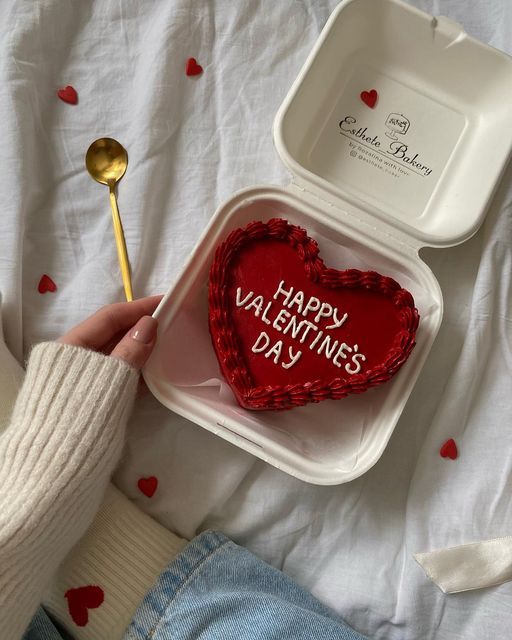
point(123, 553)
point(67, 427)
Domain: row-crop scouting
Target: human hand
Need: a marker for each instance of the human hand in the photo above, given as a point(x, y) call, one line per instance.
point(124, 330)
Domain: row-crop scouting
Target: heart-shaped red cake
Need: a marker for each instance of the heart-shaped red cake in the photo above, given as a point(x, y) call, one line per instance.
point(287, 330)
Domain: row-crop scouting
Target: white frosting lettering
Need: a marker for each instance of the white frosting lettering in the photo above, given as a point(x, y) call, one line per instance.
point(337, 323)
point(239, 301)
point(257, 303)
point(256, 347)
point(293, 358)
point(355, 360)
point(296, 328)
point(297, 299)
point(329, 349)
point(340, 354)
point(287, 294)
point(276, 351)
point(318, 336)
point(325, 312)
point(312, 333)
point(313, 304)
point(264, 315)
point(309, 325)
point(281, 318)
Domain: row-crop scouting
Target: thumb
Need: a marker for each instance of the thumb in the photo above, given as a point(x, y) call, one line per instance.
point(137, 345)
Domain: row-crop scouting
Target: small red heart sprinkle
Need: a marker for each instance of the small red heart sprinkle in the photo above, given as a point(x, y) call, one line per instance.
point(369, 98)
point(192, 68)
point(82, 599)
point(46, 284)
point(148, 486)
point(449, 449)
point(68, 94)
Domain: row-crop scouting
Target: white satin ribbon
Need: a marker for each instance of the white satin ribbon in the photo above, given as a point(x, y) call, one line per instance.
point(469, 566)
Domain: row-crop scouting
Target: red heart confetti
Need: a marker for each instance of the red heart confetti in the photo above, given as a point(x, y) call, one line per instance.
point(82, 599)
point(68, 94)
point(192, 68)
point(449, 449)
point(287, 330)
point(148, 486)
point(46, 284)
point(370, 98)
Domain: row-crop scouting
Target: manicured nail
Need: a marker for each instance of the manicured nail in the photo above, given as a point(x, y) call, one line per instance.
point(145, 329)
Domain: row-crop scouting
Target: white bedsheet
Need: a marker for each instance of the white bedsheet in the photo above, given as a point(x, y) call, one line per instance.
point(191, 144)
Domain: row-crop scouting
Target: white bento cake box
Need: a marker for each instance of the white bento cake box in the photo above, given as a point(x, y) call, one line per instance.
point(372, 186)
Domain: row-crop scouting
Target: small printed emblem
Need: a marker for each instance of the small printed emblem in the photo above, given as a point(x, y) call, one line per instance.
point(397, 123)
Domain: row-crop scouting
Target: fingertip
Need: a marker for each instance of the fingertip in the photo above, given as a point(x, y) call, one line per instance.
point(145, 330)
point(137, 345)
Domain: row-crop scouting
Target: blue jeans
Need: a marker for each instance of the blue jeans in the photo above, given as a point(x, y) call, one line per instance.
point(216, 590)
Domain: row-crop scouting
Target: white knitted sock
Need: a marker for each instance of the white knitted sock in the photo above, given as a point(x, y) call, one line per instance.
point(122, 553)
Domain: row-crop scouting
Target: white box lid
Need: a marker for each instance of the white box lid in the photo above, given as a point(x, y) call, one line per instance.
point(426, 158)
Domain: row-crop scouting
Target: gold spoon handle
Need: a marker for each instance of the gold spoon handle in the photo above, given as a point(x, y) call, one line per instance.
point(121, 245)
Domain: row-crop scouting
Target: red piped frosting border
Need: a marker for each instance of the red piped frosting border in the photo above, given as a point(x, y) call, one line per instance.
point(225, 341)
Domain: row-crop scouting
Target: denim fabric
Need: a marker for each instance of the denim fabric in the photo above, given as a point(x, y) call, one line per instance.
point(216, 590)
point(42, 628)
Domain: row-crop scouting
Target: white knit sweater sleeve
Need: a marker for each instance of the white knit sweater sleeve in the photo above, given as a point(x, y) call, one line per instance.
point(56, 457)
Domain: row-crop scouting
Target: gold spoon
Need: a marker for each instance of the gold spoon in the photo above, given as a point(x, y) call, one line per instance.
point(106, 160)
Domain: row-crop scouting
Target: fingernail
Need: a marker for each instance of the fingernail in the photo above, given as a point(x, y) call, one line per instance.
point(145, 329)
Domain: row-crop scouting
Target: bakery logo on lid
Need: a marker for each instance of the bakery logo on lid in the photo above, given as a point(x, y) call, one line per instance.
point(397, 125)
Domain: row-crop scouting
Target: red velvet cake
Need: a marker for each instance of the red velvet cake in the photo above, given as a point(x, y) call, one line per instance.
point(287, 330)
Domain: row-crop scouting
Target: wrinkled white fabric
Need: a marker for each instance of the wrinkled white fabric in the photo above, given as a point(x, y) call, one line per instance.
point(192, 143)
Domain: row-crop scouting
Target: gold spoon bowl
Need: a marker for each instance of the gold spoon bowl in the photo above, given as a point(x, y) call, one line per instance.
point(106, 161)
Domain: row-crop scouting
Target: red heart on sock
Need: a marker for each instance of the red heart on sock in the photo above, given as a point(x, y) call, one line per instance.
point(148, 486)
point(267, 285)
point(82, 599)
point(46, 284)
point(192, 68)
point(370, 98)
point(449, 449)
point(68, 94)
